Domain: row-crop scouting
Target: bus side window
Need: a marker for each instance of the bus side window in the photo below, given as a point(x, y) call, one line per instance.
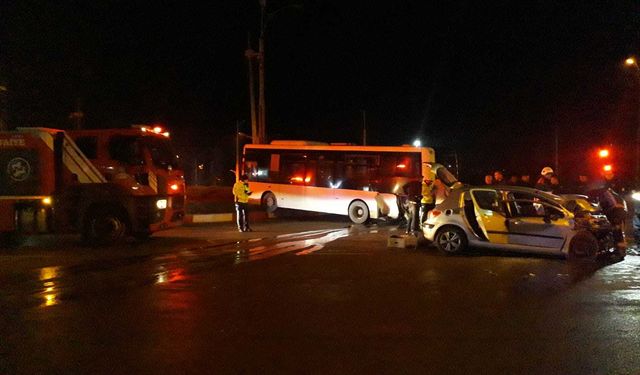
point(274, 168)
point(325, 175)
point(293, 169)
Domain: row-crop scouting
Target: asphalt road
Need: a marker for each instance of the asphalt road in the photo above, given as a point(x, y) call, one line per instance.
point(310, 296)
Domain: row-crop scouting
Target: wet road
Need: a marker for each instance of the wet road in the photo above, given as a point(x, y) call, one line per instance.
point(328, 299)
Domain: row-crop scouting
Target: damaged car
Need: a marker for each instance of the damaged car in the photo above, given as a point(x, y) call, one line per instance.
point(520, 219)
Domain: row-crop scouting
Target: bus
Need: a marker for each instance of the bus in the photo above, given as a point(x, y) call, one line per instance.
point(362, 182)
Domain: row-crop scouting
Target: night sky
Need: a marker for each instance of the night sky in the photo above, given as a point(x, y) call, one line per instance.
point(494, 81)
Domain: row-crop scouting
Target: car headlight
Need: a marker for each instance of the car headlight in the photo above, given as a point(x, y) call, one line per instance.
point(636, 196)
point(161, 204)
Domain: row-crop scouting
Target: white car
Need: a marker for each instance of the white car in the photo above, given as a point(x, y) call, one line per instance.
point(518, 219)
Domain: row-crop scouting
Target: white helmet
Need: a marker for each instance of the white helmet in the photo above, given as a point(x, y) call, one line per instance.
point(546, 170)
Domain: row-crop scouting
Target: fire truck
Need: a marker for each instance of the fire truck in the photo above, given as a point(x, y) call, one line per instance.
point(106, 184)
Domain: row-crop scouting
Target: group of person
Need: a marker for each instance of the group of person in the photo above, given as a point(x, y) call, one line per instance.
point(420, 199)
point(547, 181)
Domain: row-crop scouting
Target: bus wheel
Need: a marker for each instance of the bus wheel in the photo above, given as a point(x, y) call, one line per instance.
point(358, 212)
point(269, 202)
point(103, 227)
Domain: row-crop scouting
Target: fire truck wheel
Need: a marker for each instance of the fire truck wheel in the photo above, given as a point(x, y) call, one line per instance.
point(104, 226)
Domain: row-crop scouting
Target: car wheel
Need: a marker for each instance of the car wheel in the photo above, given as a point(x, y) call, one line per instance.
point(451, 240)
point(269, 202)
point(584, 246)
point(358, 212)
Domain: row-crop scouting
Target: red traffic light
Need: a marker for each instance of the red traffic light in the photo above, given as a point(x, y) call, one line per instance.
point(603, 153)
point(607, 168)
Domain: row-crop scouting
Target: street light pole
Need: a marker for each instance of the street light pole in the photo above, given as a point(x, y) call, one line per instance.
point(250, 55)
point(632, 62)
point(3, 110)
point(262, 118)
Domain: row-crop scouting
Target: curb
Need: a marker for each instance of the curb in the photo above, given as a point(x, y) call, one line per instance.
point(220, 218)
point(207, 218)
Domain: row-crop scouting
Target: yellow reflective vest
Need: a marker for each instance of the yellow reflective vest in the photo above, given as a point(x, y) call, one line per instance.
point(427, 193)
point(241, 192)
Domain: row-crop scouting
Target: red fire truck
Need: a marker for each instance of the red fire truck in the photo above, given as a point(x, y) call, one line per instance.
point(105, 184)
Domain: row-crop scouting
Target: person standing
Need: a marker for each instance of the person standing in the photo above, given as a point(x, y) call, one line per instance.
point(525, 180)
point(514, 180)
point(428, 198)
point(544, 182)
point(554, 184)
point(241, 195)
point(413, 191)
point(582, 187)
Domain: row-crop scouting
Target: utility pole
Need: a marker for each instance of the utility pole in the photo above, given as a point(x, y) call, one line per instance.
point(3, 108)
point(77, 117)
point(556, 164)
point(364, 127)
point(262, 118)
point(250, 54)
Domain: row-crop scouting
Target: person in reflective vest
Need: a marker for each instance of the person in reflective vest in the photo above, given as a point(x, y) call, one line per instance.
point(428, 202)
point(241, 195)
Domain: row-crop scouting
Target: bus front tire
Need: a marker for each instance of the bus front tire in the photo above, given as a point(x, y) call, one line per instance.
point(269, 202)
point(358, 212)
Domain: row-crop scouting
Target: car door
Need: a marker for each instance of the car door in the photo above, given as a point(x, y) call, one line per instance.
point(490, 214)
point(536, 221)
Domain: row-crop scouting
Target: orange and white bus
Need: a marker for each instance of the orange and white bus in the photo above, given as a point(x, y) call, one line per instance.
point(359, 181)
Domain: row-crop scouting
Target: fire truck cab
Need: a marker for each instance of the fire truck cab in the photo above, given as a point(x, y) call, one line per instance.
point(105, 184)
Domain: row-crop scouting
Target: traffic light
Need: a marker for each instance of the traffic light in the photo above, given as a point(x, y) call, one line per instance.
point(607, 168)
point(603, 153)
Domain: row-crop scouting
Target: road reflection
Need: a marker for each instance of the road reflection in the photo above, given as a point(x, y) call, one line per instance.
point(49, 293)
point(303, 245)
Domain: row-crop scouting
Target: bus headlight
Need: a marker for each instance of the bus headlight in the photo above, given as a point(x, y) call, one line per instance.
point(161, 204)
point(635, 196)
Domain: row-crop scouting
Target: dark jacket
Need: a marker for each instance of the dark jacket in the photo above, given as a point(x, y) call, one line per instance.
point(413, 190)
